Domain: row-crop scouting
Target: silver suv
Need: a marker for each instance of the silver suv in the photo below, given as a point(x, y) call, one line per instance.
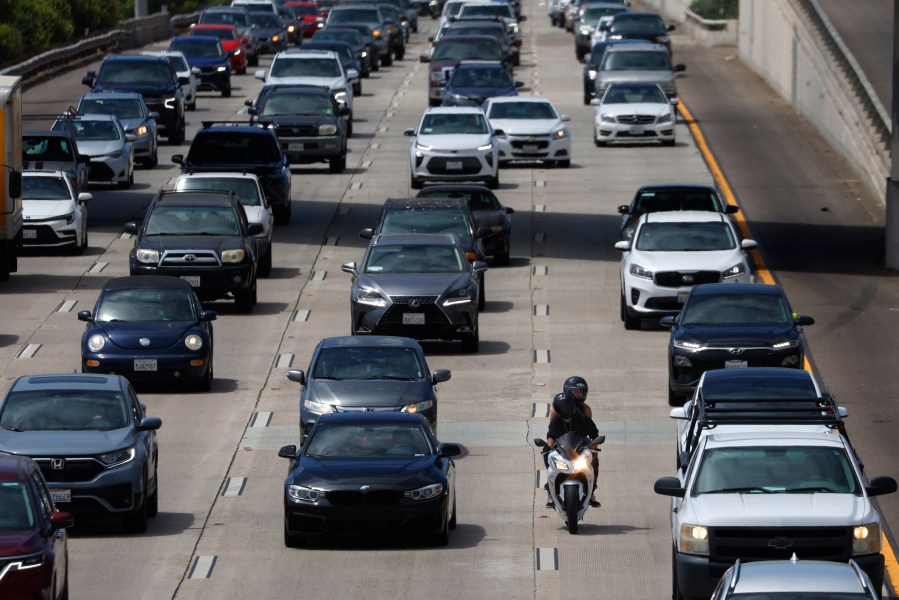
point(796, 579)
point(648, 63)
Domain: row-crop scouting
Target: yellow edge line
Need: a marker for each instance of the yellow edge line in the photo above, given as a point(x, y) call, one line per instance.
point(763, 273)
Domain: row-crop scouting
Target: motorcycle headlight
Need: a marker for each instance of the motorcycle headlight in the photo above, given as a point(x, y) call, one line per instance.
point(233, 256)
point(299, 493)
point(458, 297)
point(111, 459)
point(147, 256)
point(694, 539)
point(735, 271)
point(327, 129)
point(96, 342)
point(866, 539)
point(170, 103)
point(418, 406)
point(193, 342)
point(560, 464)
point(370, 297)
point(638, 271)
point(221, 69)
point(425, 493)
point(485, 147)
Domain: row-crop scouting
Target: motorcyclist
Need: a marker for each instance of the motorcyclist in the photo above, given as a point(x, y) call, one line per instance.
point(569, 419)
point(575, 387)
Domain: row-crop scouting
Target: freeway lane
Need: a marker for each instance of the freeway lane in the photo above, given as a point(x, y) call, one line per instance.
point(204, 544)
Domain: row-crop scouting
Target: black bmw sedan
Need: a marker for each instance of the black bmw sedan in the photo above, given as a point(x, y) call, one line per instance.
point(731, 326)
point(369, 474)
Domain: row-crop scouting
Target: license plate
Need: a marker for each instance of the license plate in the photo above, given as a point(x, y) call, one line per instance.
point(735, 364)
point(454, 165)
point(144, 364)
point(29, 234)
point(295, 147)
point(193, 280)
point(61, 495)
point(529, 148)
point(636, 131)
point(413, 318)
point(682, 297)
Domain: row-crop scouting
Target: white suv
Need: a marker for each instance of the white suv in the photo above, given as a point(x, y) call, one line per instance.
point(673, 251)
point(313, 67)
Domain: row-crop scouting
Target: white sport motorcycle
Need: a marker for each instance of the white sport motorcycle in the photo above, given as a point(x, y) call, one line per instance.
point(570, 475)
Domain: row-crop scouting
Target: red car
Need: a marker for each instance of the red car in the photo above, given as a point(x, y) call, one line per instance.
point(33, 542)
point(232, 43)
point(309, 16)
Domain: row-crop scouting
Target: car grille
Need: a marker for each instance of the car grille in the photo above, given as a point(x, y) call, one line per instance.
point(636, 119)
point(470, 166)
point(189, 258)
point(208, 70)
point(393, 316)
point(119, 496)
point(154, 104)
point(370, 498)
point(775, 543)
point(358, 526)
point(296, 130)
point(45, 234)
point(73, 470)
point(519, 144)
point(676, 279)
point(100, 172)
point(668, 304)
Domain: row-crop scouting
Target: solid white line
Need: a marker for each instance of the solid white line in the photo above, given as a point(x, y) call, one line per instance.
point(202, 567)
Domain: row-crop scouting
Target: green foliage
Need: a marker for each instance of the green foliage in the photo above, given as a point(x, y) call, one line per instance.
point(40, 23)
point(10, 43)
point(96, 15)
point(716, 9)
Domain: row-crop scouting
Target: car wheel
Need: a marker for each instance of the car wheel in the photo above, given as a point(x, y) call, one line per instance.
point(675, 588)
point(124, 185)
point(242, 71)
point(493, 182)
point(265, 263)
point(502, 258)
point(137, 521)
point(674, 399)
point(291, 540)
point(587, 98)
point(376, 64)
point(153, 501)
point(453, 520)
point(226, 93)
point(84, 236)
point(64, 595)
point(337, 165)
point(282, 215)
point(579, 52)
point(598, 142)
point(177, 137)
point(387, 59)
point(193, 105)
point(414, 183)
point(630, 322)
point(254, 62)
point(357, 89)
point(399, 54)
point(349, 126)
point(442, 538)
point(243, 300)
point(668, 142)
point(471, 342)
point(204, 384)
point(155, 160)
point(563, 164)
point(482, 292)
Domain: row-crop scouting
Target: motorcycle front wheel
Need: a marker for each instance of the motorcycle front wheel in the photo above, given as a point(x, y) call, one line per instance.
point(571, 508)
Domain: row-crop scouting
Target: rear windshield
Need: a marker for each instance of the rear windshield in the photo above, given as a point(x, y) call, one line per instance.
point(305, 67)
point(237, 148)
point(356, 15)
point(73, 410)
point(467, 50)
point(121, 72)
point(197, 48)
point(640, 60)
point(245, 189)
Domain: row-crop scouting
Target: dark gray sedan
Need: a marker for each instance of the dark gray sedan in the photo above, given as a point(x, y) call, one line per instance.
point(371, 373)
point(418, 285)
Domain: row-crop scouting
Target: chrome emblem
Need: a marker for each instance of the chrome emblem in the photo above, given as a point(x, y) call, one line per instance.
point(144, 341)
point(635, 119)
point(57, 464)
point(735, 351)
point(190, 257)
point(364, 487)
point(688, 279)
point(414, 303)
point(780, 543)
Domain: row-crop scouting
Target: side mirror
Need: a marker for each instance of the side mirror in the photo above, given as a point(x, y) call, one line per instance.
point(184, 81)
point(748, 244)
point(519, 84)
point(288, 452)
point(623, 246)
point(499, 133)
point(803, 320)
point(297, 375)
point(441, 375)
point(509, 210)
point(409, 132)
point(594, 101)
point(670, 27)
point(483, 231)
point(679, 68)
point(479, 266)
point(447, 450)
point(248, 102)
point(85, 315)
point(61, 520)
point(668, 321)
point(153, 115)
point(15, 183)
point(88, 80)
point(731, 209)
point(624, 209)
point(84, 159)
point(255, 229)
point(678, 413)
point(260, 74)
point(522, 18)
point(209, 315)
point(673, 101)
point(540, 443)
point(669, 486)
point(366, 233)
point(343, 111)
point(350, 267)
point(565, 118)
point(424, 58)
point(196, 70)
point(131, 227)
point(352, 73)
point(130, 137)
point(149, 424)
point(880, 486)
point(252, 111)
point(178, 159)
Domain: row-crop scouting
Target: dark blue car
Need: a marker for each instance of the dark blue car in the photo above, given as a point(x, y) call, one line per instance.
point(149, 328)
point(206, 53)
point(472, 82)
point(370, 473)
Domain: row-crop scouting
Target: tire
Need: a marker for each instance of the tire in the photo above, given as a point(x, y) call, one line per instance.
point(579, 52)
point(177, 136)
point(598, 143)
point(571, 507)
point(630, 322)
point(153, 501)
point(675, 588)
point(193, 105)
point(387, 59)
point(376, 64)
point(453, 520)
point(124, 185)
point(204, 384)
point(587, 98)
point(265, 263)
point(282, 215)
point(349, 126)
point(155, 160)
point(502, 258)
point(442, 539)
point(137, 521)
point(226, 93)
point(482, 293)
point(291, 540)
point(399, 54)
point(674, 399)
point(563, 164)
point(357, 89)
point(433, 102)
point(414, 183)
point(243, 300)
point(84, 238)
point(337, 165)
point(471, 343)
point(493, 182)
point(253, 62)
point(669, 143)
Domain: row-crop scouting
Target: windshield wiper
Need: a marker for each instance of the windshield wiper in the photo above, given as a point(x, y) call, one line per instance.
point(391, 377)
point(739, 490)
point(331, 377)
point(11, 428)
point(809, 490)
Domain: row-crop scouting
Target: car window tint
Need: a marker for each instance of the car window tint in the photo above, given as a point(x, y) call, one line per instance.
point(414, 259)
point(735, 309)
point(426, 221)
point(636, 61)
point(627, 25)
point(467, 50)
point(368, 441)
point(368, 363)
point(464, 77)
point(74, 410)
point(295, 104)
point(758, 388)
point(134, 73)
point(16, 511)
point(209, 48)
point(453, 123)
point(305, 67)
point(237, 148)
point(620, 94)
point(246, 190)
point(192, 220)
point(685, 237)
point(145, 305)
point(522, 110)
point(96, 131)
point(45, 188)
point(123, 108)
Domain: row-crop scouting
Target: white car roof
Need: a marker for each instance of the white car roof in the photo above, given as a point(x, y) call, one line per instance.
point(682, 216)
point(443, 110)
point(301, 53)
point(759, 439)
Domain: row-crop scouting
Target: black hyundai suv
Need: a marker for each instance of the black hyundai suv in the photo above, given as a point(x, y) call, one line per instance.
point(242, 148)
point(151, 76)
point(203, 238)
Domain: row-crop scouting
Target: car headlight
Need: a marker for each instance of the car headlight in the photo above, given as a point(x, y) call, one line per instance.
point(422, 147)
point(233, 256)
point(418, 406)
point(666, 118)
point(29, 561)
point(866, 539)
point(364, 54)
point(485, 147)
point(237, 52)
point(276, 37)
point(425, 493)
point(560, 464)
point(299, 493)
point(170, 103)
point(370, 297)
point(687, 344)
point(69, 218)
point(694, 539)
point(560, 134)
point(193, 342)
point(147, 256)
point(319, 408)
point(586, 30)
point(291, 28)
point(735, 271)
point(96, 342)
point(340, 95)
point(607, 118)
point(376, 33)
point(142, 130)
point(221, 69)
point(327, 129)
point(638, 271)
point(581, 463)
point(783, 345)
point(458, 297)
point(591, 73)
point(114, 155)
point(118, 457)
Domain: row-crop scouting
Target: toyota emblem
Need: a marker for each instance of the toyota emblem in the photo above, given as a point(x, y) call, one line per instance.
point(190, 257)
point(735, 351)
point(144, 341)
point(414, 303)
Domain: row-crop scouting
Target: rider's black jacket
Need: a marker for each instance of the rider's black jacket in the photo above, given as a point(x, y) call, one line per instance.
point(580, 424)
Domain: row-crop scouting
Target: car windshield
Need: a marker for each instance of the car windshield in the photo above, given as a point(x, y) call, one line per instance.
point(593, 13)
point(234, 148)
point(438, 220)
point(222, 34)
point(668, 200)
point(222, 18)
point(736, 309)
point(246, 190)
point(178, 63)
point(95, 131)
point(338, 36)
point(685, 237)
point(73, 410)
point(145, 304)
point(297, 105)
point(267, 20)
point(643, 94)
point(192, 220)
point(17, 512)
point(476, 200)
point(466, 50)
point(305, 67)
point(776, 470)
point(414, 258)
point(46, 149)
point(197, 48)
point(355, 15)
point(400, 440)
point(636, 60)
point(473, 30)
point(638, 25)
point(757, 387)
point(303, 10)
point(44, 188)
point(368, 363)
point(453, 123)
point(127, 72)
point(123, 108)
point(480, 78)
point(818, 595)
point(487, 10)
point(522, 110)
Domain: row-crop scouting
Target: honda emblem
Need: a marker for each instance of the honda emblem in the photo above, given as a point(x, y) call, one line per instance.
point(57, 464)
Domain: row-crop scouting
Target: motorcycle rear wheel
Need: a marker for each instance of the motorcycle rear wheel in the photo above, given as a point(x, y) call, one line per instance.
point(571, 508)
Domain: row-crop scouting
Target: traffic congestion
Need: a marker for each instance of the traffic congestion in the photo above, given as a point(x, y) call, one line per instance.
point(350, 205)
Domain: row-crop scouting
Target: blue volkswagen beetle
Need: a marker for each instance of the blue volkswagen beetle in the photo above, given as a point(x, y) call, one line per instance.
point(149, 328)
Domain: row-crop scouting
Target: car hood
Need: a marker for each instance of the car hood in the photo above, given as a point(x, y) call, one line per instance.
point(526, 126)
point(42, 209)
point(778, 510)
point(159, 334)
point(50, 165)
point(634, 108)
point(146, 90)
point(415, 284)
point(686, 261)
point(207, 61)
point(455, 141)
point(60, 444)
point(99, 147)
point(194, 242)
point(483, 92)
point(636, 76)
point(330, 82)
point(735, 335)
point(19, 542)
point(335, 473)
point(130, 124)
point(367, 392)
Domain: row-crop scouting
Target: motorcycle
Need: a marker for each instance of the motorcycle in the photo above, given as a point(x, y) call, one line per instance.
point(570, 475)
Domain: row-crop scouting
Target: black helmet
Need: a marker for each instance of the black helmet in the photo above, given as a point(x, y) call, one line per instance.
point(564, 406)
point(575, 387)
